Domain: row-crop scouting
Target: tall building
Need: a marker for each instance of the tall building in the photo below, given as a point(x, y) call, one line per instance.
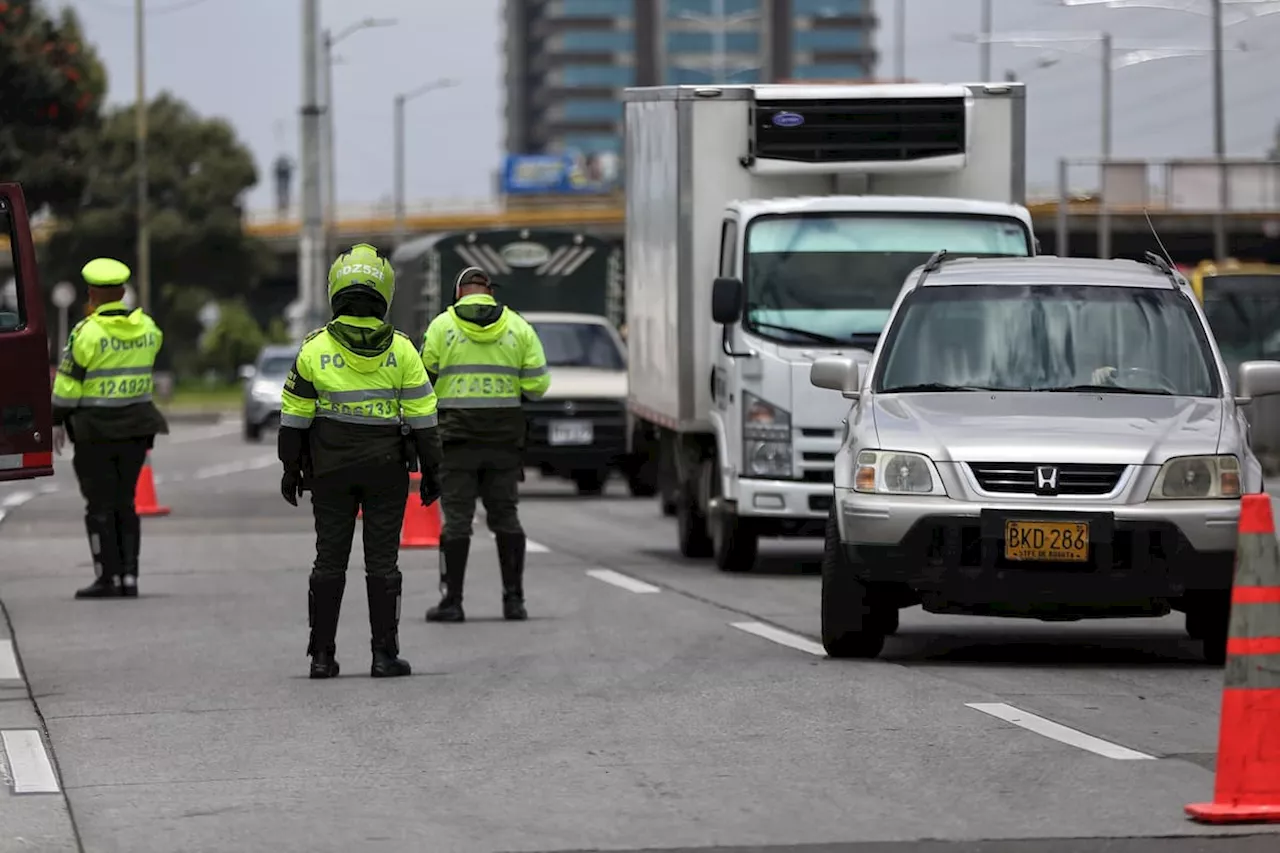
point(567, 61)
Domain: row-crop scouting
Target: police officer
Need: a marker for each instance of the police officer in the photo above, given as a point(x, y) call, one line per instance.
point(355, 404)
point(483, 358)
point(102, 402)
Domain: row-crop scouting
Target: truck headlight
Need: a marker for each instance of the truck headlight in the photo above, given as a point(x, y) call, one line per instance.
point(766, 439)
point(892, 472)
point(1197, 477)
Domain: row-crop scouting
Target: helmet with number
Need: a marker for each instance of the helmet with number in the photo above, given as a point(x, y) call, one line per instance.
point(361, 266)
point(105, 272)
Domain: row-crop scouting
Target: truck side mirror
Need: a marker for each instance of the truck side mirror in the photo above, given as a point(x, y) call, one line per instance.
point(726, 301)
point(836, 374)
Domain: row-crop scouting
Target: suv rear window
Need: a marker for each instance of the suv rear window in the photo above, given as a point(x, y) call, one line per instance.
point(1048, 337)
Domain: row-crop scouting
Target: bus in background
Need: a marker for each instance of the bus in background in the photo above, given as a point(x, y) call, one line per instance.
point(26, 416)
point(1242, 303)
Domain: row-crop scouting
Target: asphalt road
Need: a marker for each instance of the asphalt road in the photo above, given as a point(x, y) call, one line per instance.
point(651, 703)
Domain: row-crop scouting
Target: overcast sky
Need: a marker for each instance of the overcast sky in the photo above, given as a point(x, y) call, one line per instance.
point(242, 58)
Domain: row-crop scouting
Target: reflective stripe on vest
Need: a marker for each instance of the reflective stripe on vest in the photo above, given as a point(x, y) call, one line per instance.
point(481, 386)
point(371, 406)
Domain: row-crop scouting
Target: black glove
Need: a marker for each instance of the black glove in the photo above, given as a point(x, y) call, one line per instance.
point(429, 487)
point(291, 485)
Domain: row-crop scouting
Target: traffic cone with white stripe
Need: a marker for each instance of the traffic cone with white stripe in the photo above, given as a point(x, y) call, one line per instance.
point(1247, 784)
point(144, 498)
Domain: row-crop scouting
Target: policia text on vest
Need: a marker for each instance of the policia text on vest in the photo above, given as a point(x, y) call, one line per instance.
point(102, 402)
point(485, 358)
point(356, 411)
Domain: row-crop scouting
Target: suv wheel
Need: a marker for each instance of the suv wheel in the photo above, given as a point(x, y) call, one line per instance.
point(590, 482)
point(1208, 620)
point(252, 431)
point(853, 626)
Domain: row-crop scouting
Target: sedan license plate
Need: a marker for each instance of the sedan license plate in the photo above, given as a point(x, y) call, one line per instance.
point(570, 432)
point(1047, 541)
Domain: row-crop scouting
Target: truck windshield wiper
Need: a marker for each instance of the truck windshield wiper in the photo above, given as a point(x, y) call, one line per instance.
point(813, 336)
point(937, 386)
point(1105, 389)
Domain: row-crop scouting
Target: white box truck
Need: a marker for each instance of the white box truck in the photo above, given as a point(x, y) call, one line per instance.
point(769, 225)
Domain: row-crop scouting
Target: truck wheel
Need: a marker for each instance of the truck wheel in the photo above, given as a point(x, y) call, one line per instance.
point(691, 526)
point(252, 431)
point(1209, 620)
point(590, 482)
point(734, 545)
point(851, 626)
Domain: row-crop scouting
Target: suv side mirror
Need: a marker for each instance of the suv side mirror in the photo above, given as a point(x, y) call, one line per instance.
point(1258, 379)
point(837, 374)
point(247, 372)
point(726, 301)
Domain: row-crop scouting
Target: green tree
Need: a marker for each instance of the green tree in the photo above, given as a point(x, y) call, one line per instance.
point(53, 86)
point(233, 340)
point(198, 171)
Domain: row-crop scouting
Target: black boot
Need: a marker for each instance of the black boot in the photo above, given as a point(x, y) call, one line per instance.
point(511, 561)
point(324, 603)
point(129, 530)
point(453, 570)
point(104, 545)
point(384, 625)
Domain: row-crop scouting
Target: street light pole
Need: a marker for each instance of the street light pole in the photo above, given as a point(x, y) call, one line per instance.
point(144, 234)
point(311, 234)
point(900, 41)
point(399, 177)
point(1104, 213)
point(1219, 138)
point(985, 71)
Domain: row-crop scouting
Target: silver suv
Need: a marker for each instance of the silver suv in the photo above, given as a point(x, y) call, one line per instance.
point(1053, 438)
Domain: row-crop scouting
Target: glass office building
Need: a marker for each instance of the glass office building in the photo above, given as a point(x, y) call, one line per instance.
point(568, 60)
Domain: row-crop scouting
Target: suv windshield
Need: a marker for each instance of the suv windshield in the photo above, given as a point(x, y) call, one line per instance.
point(836, 275)
point(1048, 338)
point(1241, 310)
point(579, 345)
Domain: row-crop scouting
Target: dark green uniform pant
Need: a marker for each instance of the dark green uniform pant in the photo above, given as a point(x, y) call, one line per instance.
point(108, 478)
point(490, 473)
point(380, 491)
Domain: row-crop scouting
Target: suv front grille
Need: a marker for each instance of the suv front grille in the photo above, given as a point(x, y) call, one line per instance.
point(608, 417)
point(1019, 478)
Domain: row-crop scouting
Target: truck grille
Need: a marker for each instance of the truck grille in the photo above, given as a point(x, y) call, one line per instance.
point(609, 418)
point(860, 131)
point(1019, 478)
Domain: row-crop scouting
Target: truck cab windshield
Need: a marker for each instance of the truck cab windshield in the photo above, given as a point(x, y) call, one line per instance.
point(831, 278)
point(1241, 310)
point(586, 345)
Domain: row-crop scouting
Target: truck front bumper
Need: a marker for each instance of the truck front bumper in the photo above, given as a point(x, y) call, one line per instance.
point(784, 507)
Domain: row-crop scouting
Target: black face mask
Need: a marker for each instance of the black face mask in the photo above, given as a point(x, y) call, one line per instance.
point(359, 302)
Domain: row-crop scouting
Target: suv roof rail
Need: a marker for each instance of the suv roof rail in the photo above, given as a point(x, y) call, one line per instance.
point(1152, 259)
point(935, 260)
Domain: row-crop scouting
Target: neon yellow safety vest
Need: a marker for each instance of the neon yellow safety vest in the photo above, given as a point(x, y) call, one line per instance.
point(330, 382)
point(484, 367)
point(108, 360)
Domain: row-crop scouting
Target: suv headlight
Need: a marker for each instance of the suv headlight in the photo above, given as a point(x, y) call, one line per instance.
point(766, 439)
point(892, 472)
point(265, 389)
point(1197, 477)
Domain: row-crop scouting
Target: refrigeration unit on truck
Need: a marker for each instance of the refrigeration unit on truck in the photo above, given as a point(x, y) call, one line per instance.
point(535, 270)
point(770, 225)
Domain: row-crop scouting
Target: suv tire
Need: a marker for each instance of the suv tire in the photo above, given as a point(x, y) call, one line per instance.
point(853, 625)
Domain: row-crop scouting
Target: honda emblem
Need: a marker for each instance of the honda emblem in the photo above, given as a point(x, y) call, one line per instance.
point(1046, 479)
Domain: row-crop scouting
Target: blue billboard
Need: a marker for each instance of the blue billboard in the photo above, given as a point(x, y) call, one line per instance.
point(572, 174)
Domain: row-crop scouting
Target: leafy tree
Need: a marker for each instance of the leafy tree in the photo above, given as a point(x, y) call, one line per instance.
point(233, 340)
point(53, 86)
point(198, 172)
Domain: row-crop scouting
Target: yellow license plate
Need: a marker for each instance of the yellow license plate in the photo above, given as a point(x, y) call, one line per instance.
point(1047, 541)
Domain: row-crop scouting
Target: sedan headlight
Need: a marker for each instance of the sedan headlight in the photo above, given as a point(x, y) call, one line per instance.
point(766, 439)
point(1197, 477)
point(892, 472)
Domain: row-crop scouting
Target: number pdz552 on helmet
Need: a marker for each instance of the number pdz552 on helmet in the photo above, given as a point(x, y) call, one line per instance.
point(362, 266)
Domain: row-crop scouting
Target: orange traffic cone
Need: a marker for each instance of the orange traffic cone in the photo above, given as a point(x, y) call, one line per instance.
point(421, 528)
point(1247, 785)
point(144, 496)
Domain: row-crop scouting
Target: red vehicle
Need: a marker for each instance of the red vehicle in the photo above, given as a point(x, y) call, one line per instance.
point(26, 416)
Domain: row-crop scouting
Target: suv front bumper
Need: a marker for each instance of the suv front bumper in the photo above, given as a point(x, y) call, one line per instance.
point(1137, 551)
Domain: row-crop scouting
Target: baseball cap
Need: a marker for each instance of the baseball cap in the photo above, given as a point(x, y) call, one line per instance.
point(474, 275)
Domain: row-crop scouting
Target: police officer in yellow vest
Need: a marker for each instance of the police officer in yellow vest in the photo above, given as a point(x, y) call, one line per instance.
point(102, 402)
point(483, 358)
point(356, 405)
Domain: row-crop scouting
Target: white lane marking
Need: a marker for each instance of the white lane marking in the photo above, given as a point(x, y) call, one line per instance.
point(16, 499)
point(621, 580)
point(781, 637)
point(49, 489)
point(536, 547)
point(220, 431)
point(1058, 732)
point(238, 467)
point(9, 670)
point(29, 764)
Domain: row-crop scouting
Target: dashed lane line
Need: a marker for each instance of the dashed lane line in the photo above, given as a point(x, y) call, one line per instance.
point(1058, 732)
point(620, 580)
point(241, 466)
point(30, 769)
point(9, 669)
point(781, 637)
